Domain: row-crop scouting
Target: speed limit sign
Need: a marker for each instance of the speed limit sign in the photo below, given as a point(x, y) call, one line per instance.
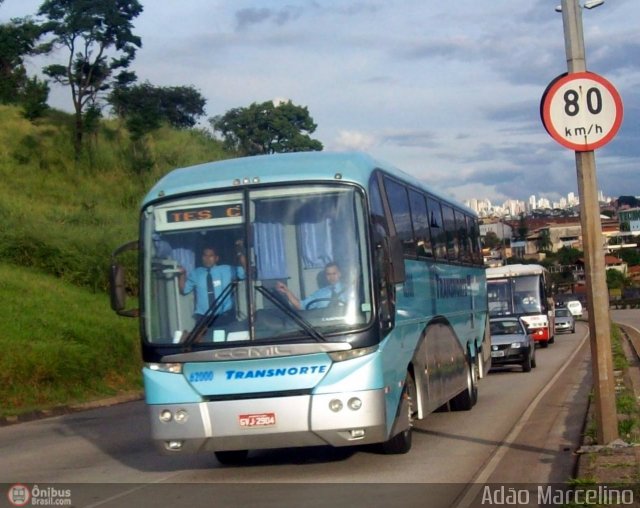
point(581, 111)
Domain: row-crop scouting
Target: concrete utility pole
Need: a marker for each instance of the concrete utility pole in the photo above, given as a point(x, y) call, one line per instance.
point(597, 294)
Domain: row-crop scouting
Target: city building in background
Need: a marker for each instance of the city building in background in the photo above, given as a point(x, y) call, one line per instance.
point(550, 233)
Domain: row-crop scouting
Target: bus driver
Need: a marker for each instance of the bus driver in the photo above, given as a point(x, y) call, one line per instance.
point(329, 295)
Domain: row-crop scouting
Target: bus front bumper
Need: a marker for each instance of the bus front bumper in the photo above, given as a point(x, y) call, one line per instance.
point(343, 419)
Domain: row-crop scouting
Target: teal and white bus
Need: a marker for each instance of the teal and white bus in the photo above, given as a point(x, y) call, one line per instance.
point(254, 371)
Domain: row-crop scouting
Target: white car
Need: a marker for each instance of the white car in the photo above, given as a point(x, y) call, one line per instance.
point(575, 307)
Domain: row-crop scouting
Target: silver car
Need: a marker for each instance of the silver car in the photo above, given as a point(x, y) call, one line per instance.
point(511, 344)
point(565, 322)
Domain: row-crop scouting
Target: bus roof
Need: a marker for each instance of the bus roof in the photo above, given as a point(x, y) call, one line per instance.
point(355, 167)
point(498, 272)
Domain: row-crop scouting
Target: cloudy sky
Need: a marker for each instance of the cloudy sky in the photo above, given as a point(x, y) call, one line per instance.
point(448, 91)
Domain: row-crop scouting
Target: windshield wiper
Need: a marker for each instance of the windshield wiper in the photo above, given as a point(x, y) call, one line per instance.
point(210, 315)
point(302, 322)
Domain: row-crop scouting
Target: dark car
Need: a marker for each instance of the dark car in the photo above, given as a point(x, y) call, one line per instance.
point(565, 322)
point(511, 344)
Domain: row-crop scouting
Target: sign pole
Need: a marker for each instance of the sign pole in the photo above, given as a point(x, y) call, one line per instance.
point(597, 293)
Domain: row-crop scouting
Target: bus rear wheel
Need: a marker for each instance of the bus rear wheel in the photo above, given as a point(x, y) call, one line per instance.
point(467, 398)
point(479, 365)
point(401, 442)
point(232, 457)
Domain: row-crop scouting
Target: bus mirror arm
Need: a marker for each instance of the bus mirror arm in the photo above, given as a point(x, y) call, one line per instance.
point(117, 282)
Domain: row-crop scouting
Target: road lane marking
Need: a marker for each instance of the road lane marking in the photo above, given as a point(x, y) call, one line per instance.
point(474, 488)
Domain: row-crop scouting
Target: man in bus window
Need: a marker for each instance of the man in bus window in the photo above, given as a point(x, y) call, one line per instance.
point(331, 295)
point(209, 281)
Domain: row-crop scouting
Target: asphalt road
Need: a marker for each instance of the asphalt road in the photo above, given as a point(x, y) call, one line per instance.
point(524, 429)
point(630, 317)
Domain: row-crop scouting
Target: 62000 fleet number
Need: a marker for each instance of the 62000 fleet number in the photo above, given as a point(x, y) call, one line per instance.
point(199, 376)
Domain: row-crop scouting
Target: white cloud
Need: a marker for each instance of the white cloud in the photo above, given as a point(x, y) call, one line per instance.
point(353, 140)
point(448, 93)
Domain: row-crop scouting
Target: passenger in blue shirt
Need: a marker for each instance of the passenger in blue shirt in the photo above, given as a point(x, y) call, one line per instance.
point(330, 295)
point(210, 280)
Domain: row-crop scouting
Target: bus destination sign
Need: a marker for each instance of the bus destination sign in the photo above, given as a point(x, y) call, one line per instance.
point(204, 213)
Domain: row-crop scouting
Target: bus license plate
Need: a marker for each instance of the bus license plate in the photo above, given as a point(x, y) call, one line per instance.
point(497, 354)
point(257, 420)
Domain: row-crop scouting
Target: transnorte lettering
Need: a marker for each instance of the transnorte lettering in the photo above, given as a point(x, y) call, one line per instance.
point(275, 372)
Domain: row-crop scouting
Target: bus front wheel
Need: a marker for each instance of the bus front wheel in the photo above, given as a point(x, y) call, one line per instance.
point(401, 442)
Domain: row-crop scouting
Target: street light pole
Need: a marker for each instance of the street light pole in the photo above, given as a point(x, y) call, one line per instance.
point(597, 294)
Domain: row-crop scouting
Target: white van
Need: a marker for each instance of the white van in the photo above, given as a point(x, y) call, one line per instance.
point(575, 307)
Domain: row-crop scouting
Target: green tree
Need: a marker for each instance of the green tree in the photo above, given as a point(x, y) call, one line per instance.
point(34, 98)
point(18, 38)
point(630, 256)
point(615, 279)
point(145, 107)
point(182, 105)
point(267, 128)
point(99, 39)
point(543, 242)
point(630, 201)
point(568, 255)
point(491, 240)
point(523, 229)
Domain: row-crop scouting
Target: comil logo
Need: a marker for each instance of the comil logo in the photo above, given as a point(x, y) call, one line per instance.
point(19, 495)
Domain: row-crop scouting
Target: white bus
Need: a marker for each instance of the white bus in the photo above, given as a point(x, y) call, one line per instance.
point(523, 291)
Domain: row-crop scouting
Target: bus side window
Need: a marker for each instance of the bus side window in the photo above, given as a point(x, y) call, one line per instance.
point(450, 228)
point(438, 234)
point(401, 214)
point(544, 304)
point(378, 223)
point(474, 240)
point(420, 219)
point(463, 242)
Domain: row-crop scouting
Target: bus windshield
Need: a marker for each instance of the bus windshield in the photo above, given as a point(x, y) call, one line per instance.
point(515, 296)
point(279, 264)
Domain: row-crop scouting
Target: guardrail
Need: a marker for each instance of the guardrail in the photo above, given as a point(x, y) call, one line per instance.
point(627, 303)
point(633, 338)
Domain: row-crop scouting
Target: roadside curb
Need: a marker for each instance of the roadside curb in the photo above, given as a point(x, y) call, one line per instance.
point(631, 347)
point(71, 408)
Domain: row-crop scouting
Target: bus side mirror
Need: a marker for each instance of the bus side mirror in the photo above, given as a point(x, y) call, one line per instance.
point(118, 291)
point(396, 259)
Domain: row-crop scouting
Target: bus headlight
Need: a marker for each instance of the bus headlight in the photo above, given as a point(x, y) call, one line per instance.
point(174, 368)
point(335, 405)
point(181, 415)
point(165, 416)
point(354, 403)
point(341, 356)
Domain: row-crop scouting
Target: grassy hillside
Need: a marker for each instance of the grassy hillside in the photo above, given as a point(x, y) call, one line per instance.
point(60, 343)
point(61, 219)
point(65, 216)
